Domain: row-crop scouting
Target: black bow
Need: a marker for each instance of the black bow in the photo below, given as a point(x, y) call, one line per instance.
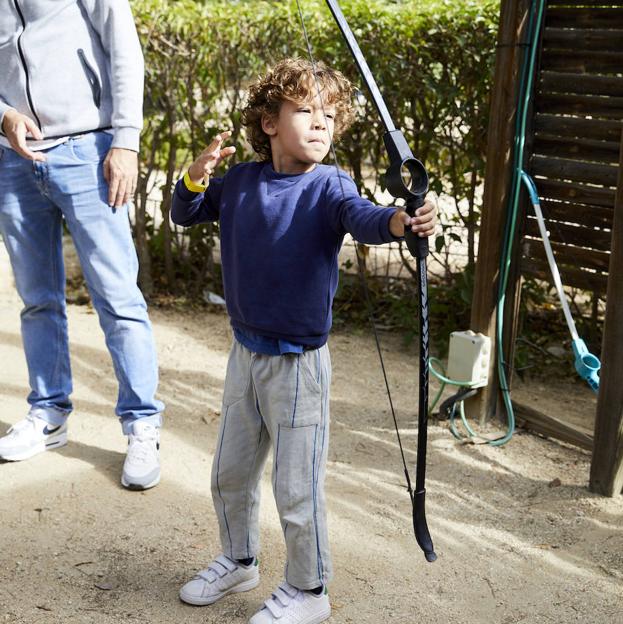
point(406, 178)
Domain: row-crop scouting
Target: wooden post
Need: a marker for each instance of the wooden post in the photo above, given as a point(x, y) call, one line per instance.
point(607, 463)
point(501, 131)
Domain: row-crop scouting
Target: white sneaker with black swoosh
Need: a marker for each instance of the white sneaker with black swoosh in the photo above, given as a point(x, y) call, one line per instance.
point(31, 436)
point(141, 468)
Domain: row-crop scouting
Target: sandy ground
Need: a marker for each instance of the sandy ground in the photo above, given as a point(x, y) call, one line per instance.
point(512, 546)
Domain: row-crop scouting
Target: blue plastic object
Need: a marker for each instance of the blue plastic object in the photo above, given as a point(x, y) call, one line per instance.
point(529, 182)
point(586, 364)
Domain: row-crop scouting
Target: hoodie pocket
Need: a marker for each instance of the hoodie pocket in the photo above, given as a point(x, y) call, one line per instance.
point(92, 77)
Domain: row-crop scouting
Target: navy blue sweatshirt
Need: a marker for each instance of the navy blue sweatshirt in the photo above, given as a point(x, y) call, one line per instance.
point(280, 238)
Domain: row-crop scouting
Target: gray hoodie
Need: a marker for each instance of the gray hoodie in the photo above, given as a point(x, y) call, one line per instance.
point(73, 66)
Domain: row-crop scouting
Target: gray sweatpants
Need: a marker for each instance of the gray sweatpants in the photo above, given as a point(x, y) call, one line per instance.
point(279, 402)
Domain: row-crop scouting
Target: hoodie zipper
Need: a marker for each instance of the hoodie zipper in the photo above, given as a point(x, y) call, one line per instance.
point(23, 59)
point(96, 87)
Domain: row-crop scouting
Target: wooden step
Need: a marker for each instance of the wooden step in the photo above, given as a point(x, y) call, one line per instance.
point(568, 234)
point(572, 39)
point(577, 149)
point(581, 61)
point(573, 170)
point(568, 255)
point(582, 214)
point(577, 193)
point(571, 276)
point(583, 84)
point(584, 17)
point(601, 129)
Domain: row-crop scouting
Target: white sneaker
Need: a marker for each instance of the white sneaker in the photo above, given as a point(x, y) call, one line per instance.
point(289, 605)
point(31, 436)
point(141, 469)
point(223, 576)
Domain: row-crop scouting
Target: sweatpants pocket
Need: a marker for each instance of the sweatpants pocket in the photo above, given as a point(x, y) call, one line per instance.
point(296, 456)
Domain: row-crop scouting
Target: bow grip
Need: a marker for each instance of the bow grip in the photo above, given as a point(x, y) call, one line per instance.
point(417, 245)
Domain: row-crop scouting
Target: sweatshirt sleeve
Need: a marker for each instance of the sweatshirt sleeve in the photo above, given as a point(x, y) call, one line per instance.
point(113, 21)
point(189, 208)
point(350, 213)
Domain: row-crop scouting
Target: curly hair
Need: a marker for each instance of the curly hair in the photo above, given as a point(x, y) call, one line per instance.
point(294, 79)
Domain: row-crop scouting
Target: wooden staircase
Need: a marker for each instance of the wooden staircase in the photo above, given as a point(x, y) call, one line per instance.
point(575, 139)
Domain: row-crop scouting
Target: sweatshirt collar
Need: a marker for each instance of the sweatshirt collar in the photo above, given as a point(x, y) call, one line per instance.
point(271, 174)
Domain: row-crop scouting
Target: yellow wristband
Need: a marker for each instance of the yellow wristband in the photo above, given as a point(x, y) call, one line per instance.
point(191, 186)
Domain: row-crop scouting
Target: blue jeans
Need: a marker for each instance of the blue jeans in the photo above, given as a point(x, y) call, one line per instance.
point(35, 197)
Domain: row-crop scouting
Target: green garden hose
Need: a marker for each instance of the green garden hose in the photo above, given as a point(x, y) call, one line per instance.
point(525, 90)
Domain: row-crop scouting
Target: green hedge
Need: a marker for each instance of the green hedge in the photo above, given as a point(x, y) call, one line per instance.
point(433, 61)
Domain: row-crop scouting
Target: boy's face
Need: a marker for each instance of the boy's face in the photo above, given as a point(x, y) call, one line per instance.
point(301, 134)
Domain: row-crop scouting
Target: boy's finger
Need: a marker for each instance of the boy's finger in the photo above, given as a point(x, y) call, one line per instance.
point(427, 208)
point(218, 139)
point(404, 217)
point(426, 233)
point(425, 218)
point(424, 229)
point(206, 154)
point(224, 153)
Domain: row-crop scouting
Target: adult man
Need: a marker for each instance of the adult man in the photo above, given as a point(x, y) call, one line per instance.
point(71, 90)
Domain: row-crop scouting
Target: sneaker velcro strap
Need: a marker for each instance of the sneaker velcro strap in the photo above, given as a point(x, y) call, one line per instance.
point(219, 568)
point(226, 563)
point(289, 590)
point(283, 595)
point(275, 610)
point(207, 575)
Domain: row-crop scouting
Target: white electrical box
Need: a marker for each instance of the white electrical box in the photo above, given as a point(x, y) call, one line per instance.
point(468, 358)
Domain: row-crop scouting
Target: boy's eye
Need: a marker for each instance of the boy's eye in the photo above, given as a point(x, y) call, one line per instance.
point(304, 110)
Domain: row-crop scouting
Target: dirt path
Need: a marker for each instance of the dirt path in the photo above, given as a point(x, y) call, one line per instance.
point(76, 547)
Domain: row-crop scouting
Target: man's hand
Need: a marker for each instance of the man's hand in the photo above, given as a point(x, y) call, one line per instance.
point(201, 170)
point(121, 173)
point(16, 126)
point(423, 223)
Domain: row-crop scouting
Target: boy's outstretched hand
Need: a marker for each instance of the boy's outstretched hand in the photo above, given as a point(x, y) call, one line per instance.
point(423, 223)
point(201, 170)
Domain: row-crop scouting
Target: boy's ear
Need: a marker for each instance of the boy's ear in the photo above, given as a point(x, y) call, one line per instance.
point(269, 125)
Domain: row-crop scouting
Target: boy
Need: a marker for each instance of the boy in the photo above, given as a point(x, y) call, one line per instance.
point(282, 223)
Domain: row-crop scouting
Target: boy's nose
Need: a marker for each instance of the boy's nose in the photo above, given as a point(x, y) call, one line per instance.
point(319, 122)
